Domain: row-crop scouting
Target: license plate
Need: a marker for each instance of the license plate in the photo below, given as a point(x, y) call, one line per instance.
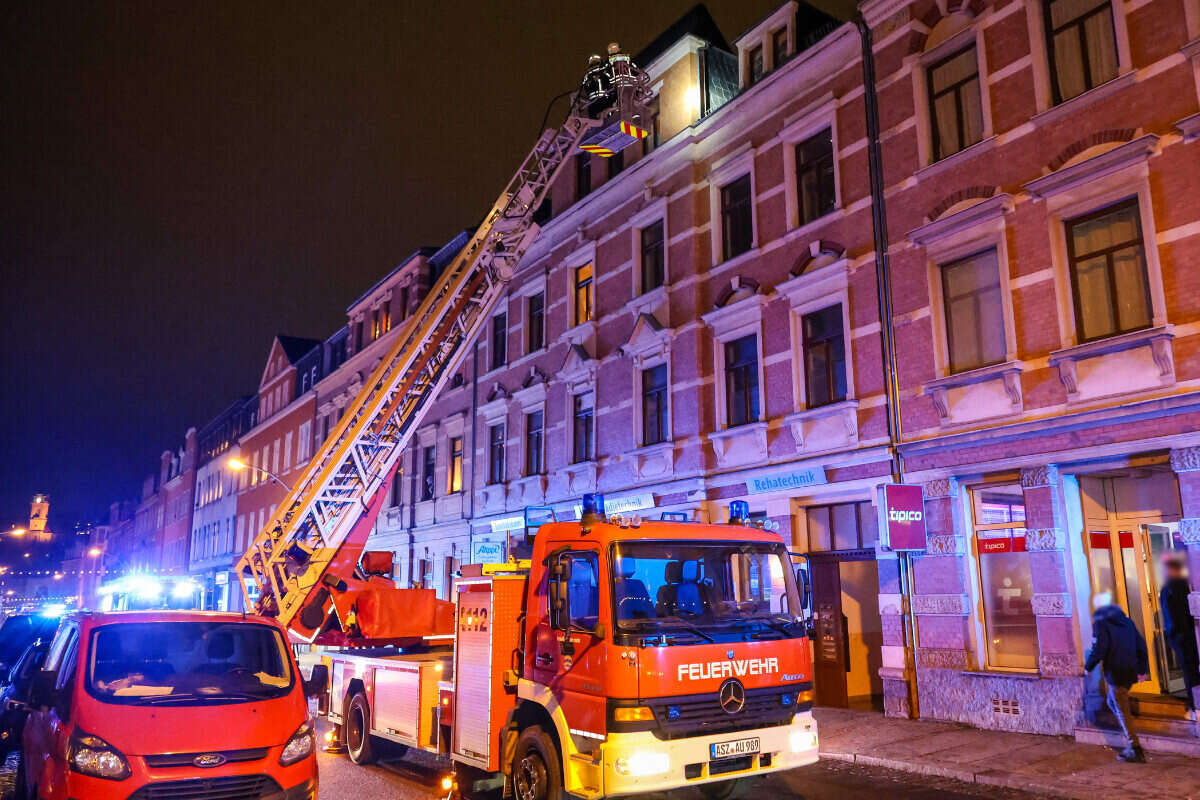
point(737, 747)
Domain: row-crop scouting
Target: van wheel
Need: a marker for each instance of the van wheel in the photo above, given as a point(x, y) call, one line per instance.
point(726, 790)
point(359, 742)
point(536, 768)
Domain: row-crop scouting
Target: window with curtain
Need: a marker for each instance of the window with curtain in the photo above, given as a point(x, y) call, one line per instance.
point(537, 321)
point(654, 405)
point(741, 380)
point(842, 526)
point(815, 190)
point(824, 356)
point(499, 340)
point(534, 431)
point(955, 104)
point(1108, 272)
point(454, 473)
point(1083, 45)
point(653, 252)
point(1010, 628)
point(737, 217)
point(974, 311)
point(584, 294)
point(496, 453)
point(583, 446)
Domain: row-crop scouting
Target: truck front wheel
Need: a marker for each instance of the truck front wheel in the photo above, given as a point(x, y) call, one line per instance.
point(726, 790)
point(358, 730)
point(536, 768)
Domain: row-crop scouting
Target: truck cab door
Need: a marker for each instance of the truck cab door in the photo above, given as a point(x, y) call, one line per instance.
point(570, 655)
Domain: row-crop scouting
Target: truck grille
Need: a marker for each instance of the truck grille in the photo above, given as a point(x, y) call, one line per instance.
point(185, 759)
point(236, 787)
point(700, 715)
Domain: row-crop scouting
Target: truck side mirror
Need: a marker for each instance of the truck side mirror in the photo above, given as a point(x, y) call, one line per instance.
point(43, 692)
point(804, 588)
point(317, 682)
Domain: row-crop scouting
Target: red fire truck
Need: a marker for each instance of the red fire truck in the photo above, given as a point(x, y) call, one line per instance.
point(607, 656)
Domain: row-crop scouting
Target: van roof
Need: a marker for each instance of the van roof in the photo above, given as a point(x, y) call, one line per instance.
point(95, 618)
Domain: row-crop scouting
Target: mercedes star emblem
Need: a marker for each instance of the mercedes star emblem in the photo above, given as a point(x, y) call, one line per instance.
point(732, 696)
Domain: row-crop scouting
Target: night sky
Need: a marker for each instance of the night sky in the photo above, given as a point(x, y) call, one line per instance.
point(182, 181)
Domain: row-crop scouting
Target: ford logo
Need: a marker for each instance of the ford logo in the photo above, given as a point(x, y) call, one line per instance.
point(209, 760)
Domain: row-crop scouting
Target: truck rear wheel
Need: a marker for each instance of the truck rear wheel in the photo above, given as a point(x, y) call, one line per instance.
point(726, 790)
point(536, 767)
point(359, 742)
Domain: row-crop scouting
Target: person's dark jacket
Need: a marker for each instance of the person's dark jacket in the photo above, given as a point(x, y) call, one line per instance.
point(1117, 644)
point(1177, 617)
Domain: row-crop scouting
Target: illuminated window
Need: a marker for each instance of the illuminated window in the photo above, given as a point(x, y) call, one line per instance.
point(454, 474)
point(1005, 578)
point(584, 294)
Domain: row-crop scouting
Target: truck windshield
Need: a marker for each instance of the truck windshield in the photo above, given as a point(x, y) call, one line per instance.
point(187, 663)
point(713, 591)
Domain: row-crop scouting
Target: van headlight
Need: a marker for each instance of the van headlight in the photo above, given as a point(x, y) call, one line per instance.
point(91, 755)
point(643, 763)
point(300, 746)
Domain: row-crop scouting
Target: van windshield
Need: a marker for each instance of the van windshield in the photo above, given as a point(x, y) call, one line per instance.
point(187, 663)
point(715, 591)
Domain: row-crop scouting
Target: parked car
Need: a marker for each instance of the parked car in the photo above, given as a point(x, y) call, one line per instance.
point(14, 694)
point(170, 704)
point(18, 632)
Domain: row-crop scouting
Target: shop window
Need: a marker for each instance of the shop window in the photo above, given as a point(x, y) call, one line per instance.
point(1108, 272)
point(584, 432)
point(974, 311)
point(824, 356)
point(1006, 582)
point(741, 380)
point(842, 526)
point(496, 453)
point(955, 103)
point(534, 430)
point(454, 473)
point(737, 218)
point(1083, 45)
point(815, 184)
point(654, 405)
point(428, 461)
point(584, 294)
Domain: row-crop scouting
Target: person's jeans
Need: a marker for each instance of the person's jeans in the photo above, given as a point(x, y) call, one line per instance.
point(1184, 646)
point(1118, 701)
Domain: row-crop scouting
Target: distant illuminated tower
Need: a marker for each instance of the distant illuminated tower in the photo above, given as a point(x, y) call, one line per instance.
point(39, 509)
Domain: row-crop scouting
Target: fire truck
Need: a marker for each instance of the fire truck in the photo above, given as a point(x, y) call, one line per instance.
point(607, 656)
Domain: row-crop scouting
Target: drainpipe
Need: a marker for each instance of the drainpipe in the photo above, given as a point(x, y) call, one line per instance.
point(887, 331)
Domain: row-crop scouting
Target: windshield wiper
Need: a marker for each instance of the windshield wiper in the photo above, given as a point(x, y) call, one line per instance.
point(192, 697)
point(683, 624)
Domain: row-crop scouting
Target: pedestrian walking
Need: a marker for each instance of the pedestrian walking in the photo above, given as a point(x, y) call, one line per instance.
point(1117, 645)
point(1178, 625)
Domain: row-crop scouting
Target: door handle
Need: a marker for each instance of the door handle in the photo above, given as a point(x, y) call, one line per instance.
point(543, 660)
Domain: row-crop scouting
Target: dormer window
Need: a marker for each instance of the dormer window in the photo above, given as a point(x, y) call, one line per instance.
point(779, 47)
point(755, 65)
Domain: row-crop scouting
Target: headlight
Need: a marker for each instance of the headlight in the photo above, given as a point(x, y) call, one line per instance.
point(300, 746)
point(802, 741)
point(91, 755)
point(643, 763)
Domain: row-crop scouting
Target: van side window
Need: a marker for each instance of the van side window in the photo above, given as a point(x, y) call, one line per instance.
point(66, 636)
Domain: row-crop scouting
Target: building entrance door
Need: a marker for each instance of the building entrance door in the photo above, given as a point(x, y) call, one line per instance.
point(1130, 520)
point(849, 632)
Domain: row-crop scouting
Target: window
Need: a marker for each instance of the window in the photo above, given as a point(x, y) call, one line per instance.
point(779, 47)
point(843, 526)
point(583, 175)
point(400, 304)
point(287, 451)
point(650, 119)
point(1010, 628)
point(303, 441)
point(954, 103)
point(537, 321)
point(583, 590)
point(454, 473)
point(653, 256)
point(616, 163)
point(741, 380)
point(1108, 272)
point(824, 356)
point(376, 324)
point(974, 312)
point(496, 454)
point(815, 187)
point(584, 294)
point(428, 465)
point(737, 218)
point(584, 433)
point(499, 340)
point(754, 66)
point(1083, 45)
point(654, 405)
point(534, 462)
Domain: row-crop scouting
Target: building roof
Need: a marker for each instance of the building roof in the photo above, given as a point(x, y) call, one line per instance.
point(295, 347)
point(425, 252)
point(696, 22)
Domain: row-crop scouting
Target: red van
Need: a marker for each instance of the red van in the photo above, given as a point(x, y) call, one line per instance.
point(150, 705)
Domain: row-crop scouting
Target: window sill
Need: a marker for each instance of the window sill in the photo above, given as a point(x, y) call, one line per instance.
point(955, 159)
point(1189, 127)
point(531, 489)
point(1158, 340)
point(1079, 101)
point(579, 334)
point(743, 444)
point(1019, 674)
point(967, 391)
point(824, 428)
point(648, 302)
point(653, 461)
point(738, 260)
point(580, 477)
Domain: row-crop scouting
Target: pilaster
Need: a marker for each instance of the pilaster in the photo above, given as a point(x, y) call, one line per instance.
point(1045, 542)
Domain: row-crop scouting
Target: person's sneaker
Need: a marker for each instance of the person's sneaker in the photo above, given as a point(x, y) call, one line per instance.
point(1133, 755)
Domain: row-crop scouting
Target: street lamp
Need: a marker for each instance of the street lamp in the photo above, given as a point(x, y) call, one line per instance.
point(95, 551)
point(17, 532)
point(237, 465)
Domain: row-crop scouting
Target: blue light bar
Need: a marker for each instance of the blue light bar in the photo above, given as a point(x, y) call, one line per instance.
point(593, 504)
point(739, 512)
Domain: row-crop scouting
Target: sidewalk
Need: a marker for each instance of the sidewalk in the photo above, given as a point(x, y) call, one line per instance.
point(1055, 766)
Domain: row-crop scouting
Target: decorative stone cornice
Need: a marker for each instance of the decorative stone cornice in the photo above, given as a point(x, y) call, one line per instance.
point(1052, 605)
point(933, 658)
point(1186, 459)
point(949, 604)
point(1189, 530)
point(940, 544)
point(940, 487)
point(1033, 477)
point(1041, 539)
point(1059, 665)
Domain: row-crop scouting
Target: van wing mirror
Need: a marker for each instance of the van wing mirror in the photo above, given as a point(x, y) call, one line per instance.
point(318, 681)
